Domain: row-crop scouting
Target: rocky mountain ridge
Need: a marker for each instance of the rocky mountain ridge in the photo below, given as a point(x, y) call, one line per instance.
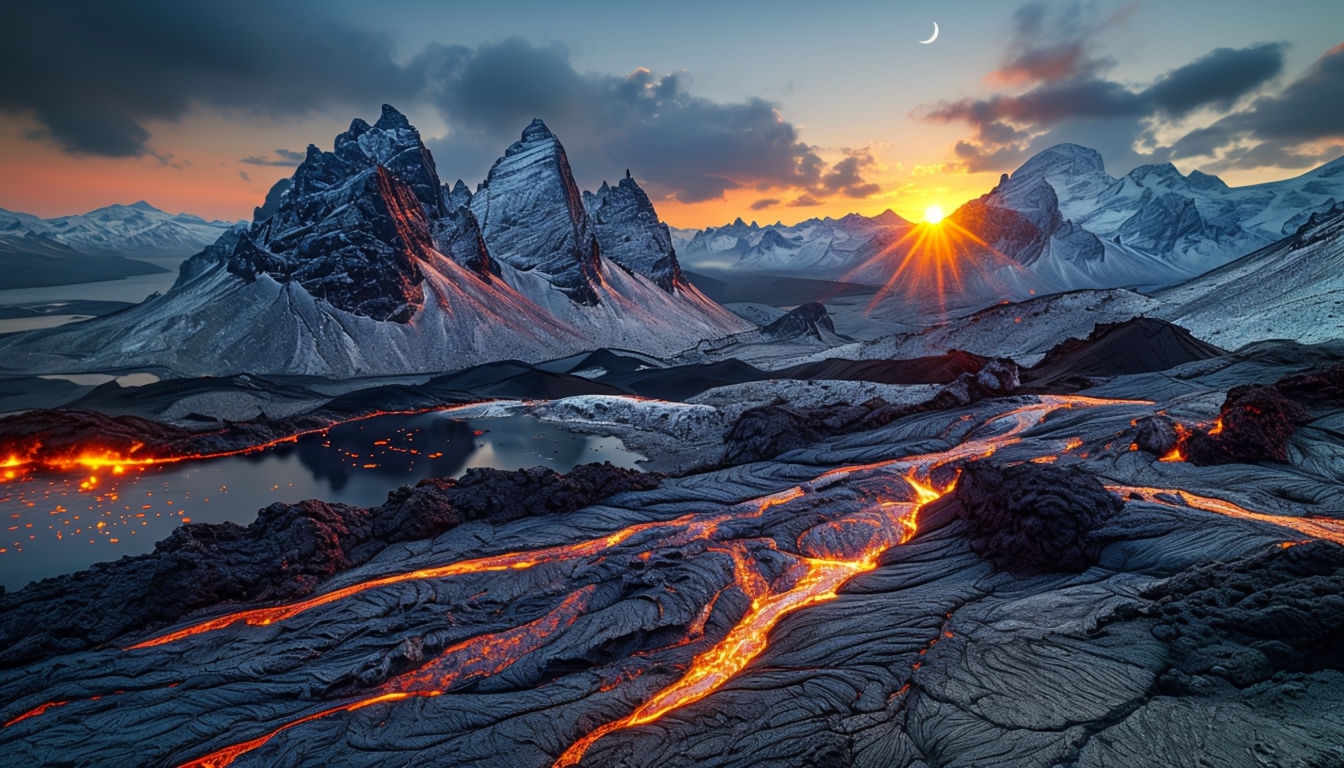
point(365, 263)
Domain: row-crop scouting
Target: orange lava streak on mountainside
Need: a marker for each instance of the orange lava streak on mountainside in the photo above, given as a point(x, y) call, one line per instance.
point(471, 658)
point(1328, 528)
point(687, 527)
point(100, 458)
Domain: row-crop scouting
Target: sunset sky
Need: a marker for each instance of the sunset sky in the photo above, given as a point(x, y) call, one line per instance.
point(772, 111)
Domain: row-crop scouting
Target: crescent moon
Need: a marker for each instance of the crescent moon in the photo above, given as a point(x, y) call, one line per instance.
point(933, 37)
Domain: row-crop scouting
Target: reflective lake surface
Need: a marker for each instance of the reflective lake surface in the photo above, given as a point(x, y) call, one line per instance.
point(58, 523)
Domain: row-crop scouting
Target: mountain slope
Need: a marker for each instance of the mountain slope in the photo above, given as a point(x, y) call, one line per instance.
point(367, 264)
point(31, 260)
point(138, 228)
point(1060, 215)
point(1292, 289)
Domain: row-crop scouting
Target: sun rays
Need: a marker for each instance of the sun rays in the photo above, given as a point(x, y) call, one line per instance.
point(936, 259)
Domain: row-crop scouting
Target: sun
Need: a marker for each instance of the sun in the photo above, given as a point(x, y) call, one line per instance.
point(933, 214)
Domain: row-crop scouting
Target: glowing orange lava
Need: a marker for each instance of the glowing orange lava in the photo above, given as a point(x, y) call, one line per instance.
point(100, 458)
point(822, 559)
point(475, 657)
point(1328, 528)
point(818, 581)
point(686, 527)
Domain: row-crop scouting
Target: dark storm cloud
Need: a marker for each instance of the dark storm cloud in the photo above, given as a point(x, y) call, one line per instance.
point(1301, 125)
point(1217, 79)
point(768, 202)
point(682, 145)
point(92, 73)
point(284, 158)
point(1069, 97)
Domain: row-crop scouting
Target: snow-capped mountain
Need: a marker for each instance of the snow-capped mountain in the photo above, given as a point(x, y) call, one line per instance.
point(629, 233)
point(364, 263)
point(819, 248)
point(1154, 226)
point(1292, 289)
point(1061, 216)
point(135, 229)
point(31, 260)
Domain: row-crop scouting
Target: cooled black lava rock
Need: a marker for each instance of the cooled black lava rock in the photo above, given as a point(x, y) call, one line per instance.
point(770, 430)
point(1156, 434)
point(1030, 519)
point(997, 377)
point(1257, 422)
point(809, 319)
point(282, 555)
point(1246, 620)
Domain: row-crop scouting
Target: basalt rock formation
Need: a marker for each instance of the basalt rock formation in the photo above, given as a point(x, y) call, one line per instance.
point(1030, 519)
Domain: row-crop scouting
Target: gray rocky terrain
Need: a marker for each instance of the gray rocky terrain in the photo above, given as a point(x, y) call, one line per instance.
point(1002, 579)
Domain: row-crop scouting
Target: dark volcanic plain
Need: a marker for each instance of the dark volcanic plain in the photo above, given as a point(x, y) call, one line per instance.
point(1002, 574)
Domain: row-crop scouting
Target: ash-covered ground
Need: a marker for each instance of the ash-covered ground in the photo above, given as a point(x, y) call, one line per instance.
point(1004, 567)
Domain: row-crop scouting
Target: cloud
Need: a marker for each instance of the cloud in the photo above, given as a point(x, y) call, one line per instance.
point(762, 204)
point(1062, 92)
point(805, 201)
point(97, 76)
point(1301, 125)
point(284, 158)
point(243, 175)
point(93, 74)
point(1217, 79)
point(846, 176)
point(682, 145)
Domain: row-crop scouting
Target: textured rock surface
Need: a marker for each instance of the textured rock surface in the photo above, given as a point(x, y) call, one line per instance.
point(1032, 519)
point(532, 216)
point(283, 555)
point(629, 233)
point(335, 231)
point(506, 641)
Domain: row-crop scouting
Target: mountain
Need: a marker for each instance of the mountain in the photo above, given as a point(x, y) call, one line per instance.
point(1154, 226)
point(135, 229)
point(1060, 215)
point(365, 263)
point(30, 260)
point(817, 248)
point(1292, 289)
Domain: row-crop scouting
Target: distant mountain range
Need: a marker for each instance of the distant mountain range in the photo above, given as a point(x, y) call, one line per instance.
point(127, 230)
point(103, 244)
point(1059, 222)
point(365, 263)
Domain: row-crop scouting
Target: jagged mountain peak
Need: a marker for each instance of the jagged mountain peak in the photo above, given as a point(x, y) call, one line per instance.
point(532, 183)
point(392, 119)
point(629, 233)
point(1062, 159)
point(537, 131)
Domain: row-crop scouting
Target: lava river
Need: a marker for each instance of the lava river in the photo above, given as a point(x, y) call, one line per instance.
point(602, 624)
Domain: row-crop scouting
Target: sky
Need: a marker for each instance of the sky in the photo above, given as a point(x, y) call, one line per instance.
point(772, 111)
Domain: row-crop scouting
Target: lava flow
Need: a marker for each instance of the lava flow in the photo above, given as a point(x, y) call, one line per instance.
point(819, 581)
point(1327, 528)
point(780, 575)
point(477, 657)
